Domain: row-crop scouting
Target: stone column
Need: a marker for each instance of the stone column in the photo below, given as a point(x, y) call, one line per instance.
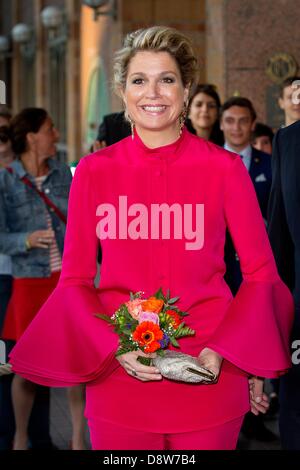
point(40, 64)
point(15, 61)
point(73, 8)
point(216, 44)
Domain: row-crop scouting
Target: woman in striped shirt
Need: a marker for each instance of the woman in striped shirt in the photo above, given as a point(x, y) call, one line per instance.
point(34, 194)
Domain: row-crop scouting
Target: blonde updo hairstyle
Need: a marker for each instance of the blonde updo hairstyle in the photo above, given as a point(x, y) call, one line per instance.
point(156, 39)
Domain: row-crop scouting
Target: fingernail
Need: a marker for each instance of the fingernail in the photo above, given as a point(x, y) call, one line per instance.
point(258, 399)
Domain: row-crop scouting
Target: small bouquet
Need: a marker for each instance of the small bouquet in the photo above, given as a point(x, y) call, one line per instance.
point(152, 325)
point(148, 324)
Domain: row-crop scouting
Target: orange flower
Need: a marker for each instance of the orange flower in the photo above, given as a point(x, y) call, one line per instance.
point(152, 305)
point(147, 335)
point(176, 320)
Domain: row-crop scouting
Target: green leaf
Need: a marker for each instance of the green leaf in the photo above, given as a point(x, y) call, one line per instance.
point(184, 314)
point(168, 295)
point(160, 352)
point(105, 318)
point(184, 331)
point(174, 342)
point(126, 331)
point(159, 294)
point(171, 307)
point(122, 350)
point(146, 361)
point(173, 300)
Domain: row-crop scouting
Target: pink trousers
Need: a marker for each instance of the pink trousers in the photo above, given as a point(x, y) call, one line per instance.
point(107, 436)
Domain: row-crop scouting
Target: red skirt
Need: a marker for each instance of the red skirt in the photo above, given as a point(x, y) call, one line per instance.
point(28, 296)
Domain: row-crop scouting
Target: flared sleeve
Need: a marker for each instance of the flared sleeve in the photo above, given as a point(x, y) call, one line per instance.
point(66, 344)
point(254, 333)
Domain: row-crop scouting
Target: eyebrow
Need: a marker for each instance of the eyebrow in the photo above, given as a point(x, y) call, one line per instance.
point(162, 73)
point(237, 117)
point(200, 100)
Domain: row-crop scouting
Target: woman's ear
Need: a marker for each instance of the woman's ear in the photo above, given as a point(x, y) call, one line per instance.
point(31, 139)
point(121, 94)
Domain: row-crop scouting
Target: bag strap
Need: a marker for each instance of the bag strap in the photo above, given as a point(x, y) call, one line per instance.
point(42, 195)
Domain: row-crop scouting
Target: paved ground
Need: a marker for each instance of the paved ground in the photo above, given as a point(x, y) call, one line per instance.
point(252, 444)
point(60, 421)
point(61, 429)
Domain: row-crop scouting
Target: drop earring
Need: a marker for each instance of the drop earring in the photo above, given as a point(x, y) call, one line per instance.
point(182, 118)
point(132, 126)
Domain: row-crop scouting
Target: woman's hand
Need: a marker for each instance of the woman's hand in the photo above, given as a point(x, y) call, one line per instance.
point(40, 239)
point(258, 400)
point(211, 360)
point(137, 370)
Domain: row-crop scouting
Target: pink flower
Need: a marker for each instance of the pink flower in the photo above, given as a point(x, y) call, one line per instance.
point(149, 316)
point(134, 308)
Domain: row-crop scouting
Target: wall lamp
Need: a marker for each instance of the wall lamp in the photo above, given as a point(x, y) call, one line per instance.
point(23, 35)
point(5, 48)
point(97, 6)
point(54, 21)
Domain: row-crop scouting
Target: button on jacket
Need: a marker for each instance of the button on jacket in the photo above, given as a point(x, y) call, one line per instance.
point(250, 331)
point(22, 212)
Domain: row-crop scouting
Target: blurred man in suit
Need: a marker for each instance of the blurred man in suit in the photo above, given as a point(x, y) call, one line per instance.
point(237, 123)
point(113, 128)
point(284, 233)
point(262, 138)
point(290, 106)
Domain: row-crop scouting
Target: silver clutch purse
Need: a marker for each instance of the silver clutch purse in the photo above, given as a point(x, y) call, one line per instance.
point(174, 365)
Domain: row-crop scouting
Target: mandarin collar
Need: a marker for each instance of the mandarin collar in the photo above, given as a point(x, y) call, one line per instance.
point(168, 152)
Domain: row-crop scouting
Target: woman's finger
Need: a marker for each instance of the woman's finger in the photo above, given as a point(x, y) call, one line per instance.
point(141, 353)
point(254, 410)
point(142, 375)
point(148, 377)
point(261, 407)
point(259, 398)
point(133, 364)
point(42, 245)
point(138, 367)
point(212, 367)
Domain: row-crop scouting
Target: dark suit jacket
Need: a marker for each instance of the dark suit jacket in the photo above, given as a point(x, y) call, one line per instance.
point(260, 172)
point(284, 206)
point(113, 128)
point(261, 175)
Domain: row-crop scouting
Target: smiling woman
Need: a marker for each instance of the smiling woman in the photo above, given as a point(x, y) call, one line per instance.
point(203, 111)
point(154, 96)
point(154, 75)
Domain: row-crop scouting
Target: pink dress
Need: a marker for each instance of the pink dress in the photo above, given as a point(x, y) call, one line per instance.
point(66, 344)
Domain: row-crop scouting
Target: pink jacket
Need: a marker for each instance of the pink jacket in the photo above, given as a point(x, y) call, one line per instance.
point(66, 344)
